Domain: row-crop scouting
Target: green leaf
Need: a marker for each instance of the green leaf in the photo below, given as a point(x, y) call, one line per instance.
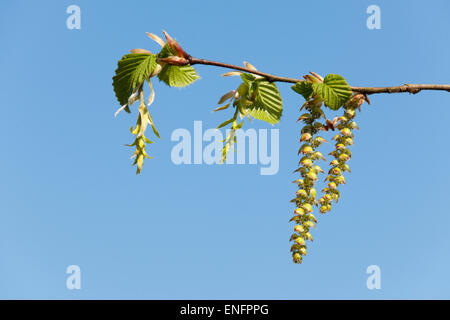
point(131, 72)
point(334, 91)
point(177, 76)
point(223, 124)
point(268, 104)
point(247, 78)
point(304, 88)
point(165, 52)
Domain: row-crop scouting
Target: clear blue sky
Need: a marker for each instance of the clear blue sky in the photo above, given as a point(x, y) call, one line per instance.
point(69, 196)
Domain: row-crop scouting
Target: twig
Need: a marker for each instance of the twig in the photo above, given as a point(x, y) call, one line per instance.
point(411, 88)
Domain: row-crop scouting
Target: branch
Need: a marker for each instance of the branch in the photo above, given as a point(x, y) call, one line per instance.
point(411, 88)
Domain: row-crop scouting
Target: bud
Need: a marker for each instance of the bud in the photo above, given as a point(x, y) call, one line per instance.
point(140, 51)
point(347, 168)
point(305, 137)
point(231, 73)
point(298, 181)
point(327, 197)
point(299, 228)
point(175, 47)
point(155, 38)
point(299, 211)
point(340, 146)
point(323, 209)
point(174, 60)
point(249, 66)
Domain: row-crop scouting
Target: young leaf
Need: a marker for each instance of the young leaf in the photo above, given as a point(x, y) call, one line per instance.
point(178, 76)
point(334, 91)
point(131, 72)
point(268, 105)
point(304, 88)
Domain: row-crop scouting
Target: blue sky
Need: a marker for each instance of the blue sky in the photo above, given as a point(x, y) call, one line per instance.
point(69, 196)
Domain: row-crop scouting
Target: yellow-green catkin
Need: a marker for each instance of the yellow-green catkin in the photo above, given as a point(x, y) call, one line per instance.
point(141, 140)
point(305, 198)
point(344, 139)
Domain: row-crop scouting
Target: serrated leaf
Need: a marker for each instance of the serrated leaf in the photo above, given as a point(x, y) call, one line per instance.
point(268, 105)
point(247, 78)
point(304, 88)
point(178, 76)
point(131, 72)
point(165, 52)
point(334, 91)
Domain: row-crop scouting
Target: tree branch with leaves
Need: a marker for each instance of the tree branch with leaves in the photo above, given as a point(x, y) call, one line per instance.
point(257, 97)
